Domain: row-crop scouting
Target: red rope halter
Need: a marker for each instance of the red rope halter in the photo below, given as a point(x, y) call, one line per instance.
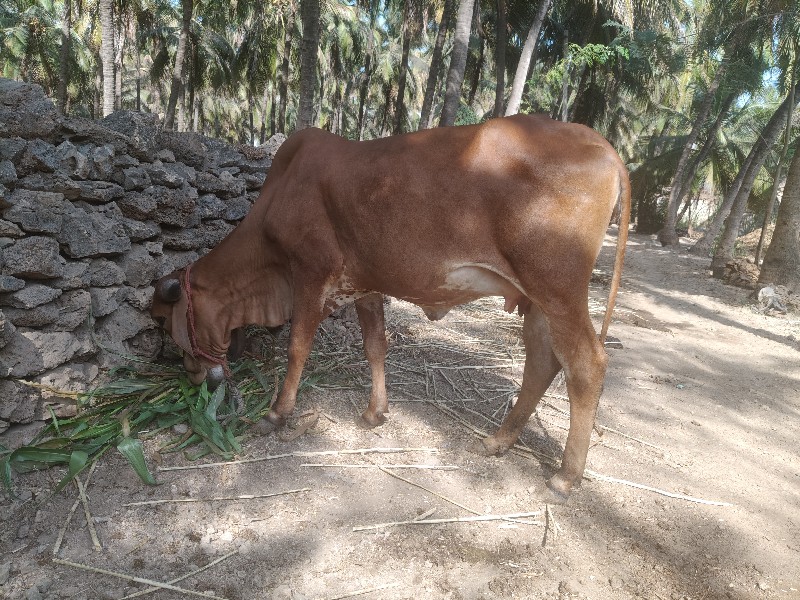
point(196, 350)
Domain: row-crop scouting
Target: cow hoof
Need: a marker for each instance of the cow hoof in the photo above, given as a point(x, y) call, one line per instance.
point(269, 424)
point(558, 490)
point(487, 447)
point(368, 420)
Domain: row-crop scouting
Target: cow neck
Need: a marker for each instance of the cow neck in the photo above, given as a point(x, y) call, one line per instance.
point(197, 351)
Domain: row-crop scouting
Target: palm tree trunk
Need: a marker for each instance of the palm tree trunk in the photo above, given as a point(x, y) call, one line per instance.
point(778, 173)
point(66, 33)
point(283, 77)
point(524, 64)
point(436, 66)
point(400, 105)
point(308, 63)
point(782, 260)
point(180, 57)
point(118, 66)
point(107, 54)
point(565, 80)
point(704, 151)
point(667, 236)
point(458, 62)
point(760, 151)
point(476, 74)
point(500, 57)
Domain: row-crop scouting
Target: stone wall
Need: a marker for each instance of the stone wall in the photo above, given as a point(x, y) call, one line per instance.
point(90, 214)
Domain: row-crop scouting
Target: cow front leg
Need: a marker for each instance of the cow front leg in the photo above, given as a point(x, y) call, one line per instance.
point(373, 332)
point(301, 337)
point(541, 367)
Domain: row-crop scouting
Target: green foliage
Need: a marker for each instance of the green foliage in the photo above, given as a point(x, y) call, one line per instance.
point(466, 116)
point(137, 405)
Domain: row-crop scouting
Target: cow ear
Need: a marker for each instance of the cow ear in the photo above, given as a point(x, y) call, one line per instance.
point(169, 290)
point(238, 340)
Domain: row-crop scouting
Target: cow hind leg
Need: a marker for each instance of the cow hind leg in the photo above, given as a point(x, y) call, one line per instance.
point(541, 367)
point(373, 332)
point(584, 361)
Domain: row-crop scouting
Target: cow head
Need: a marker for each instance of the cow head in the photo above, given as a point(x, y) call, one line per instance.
point(170, 309)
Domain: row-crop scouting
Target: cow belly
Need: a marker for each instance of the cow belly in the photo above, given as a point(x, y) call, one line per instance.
point(465, 283)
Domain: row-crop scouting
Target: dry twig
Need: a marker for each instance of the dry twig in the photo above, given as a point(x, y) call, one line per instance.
point(364, 591)
point(150, 582)
point(372, 466)
point(150, 590)
point(65, 526)
point(89, 521)
point(220, 499)
point(298, 455)
point(476, 518)
point(658, 491)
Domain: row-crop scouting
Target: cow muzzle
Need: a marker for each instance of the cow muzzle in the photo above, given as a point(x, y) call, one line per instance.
point(197, 373)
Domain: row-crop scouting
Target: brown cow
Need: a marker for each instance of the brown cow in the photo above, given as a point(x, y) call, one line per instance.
point(516, 207)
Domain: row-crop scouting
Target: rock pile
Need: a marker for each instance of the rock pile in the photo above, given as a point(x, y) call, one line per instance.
point(90, 214)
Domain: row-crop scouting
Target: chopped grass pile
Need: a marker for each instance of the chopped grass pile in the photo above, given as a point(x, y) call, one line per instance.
point(139, 403)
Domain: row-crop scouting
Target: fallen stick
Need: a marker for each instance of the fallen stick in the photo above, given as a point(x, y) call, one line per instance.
point(220, 499)
point(182, 577)
point(89, 521)
point(473, 519)
point(422, 487)
point(352, 466)
point(298, 455)
point(150, 582)
point(364, 591)
point(550, 525)
point(657, 491)
point(445, 498)
point(62, 532)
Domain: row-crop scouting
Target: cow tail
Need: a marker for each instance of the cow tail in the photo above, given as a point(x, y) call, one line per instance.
point(624, 200)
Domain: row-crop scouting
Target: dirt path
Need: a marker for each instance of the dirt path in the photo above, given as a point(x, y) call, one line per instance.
point(708, 386)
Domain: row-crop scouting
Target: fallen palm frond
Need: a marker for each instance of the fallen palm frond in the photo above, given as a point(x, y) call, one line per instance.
point(137, 404)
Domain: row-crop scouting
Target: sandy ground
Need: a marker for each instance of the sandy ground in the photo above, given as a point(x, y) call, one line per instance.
point(703, 400)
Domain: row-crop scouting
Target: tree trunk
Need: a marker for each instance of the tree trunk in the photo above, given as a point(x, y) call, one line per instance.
point(761, 150)
point(500, 57)
point(476, 75)
point(66, 33)
point(458, 63)
point(308, 62)
point(521, 75)
point(706, 149)
point(436, 66)
point(283, 77)
point(778, 173)
point(107, 54)
point(565, 80)
point(118, 66)
point(703, 245)
point(177, 72)
point(667, 236)
point(400, 105)
point(782, 260)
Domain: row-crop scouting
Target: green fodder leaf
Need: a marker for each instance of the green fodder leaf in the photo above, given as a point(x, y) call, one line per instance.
point(216, 398)
point(77, 463)
point(132, 450)
point(30, 458)
point(209, 430)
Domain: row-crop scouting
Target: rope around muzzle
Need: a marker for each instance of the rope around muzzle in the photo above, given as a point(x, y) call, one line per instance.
point(197, 351)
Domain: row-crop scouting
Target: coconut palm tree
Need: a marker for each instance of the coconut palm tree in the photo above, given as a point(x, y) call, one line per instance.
point(310, 11)
point(458, 62)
